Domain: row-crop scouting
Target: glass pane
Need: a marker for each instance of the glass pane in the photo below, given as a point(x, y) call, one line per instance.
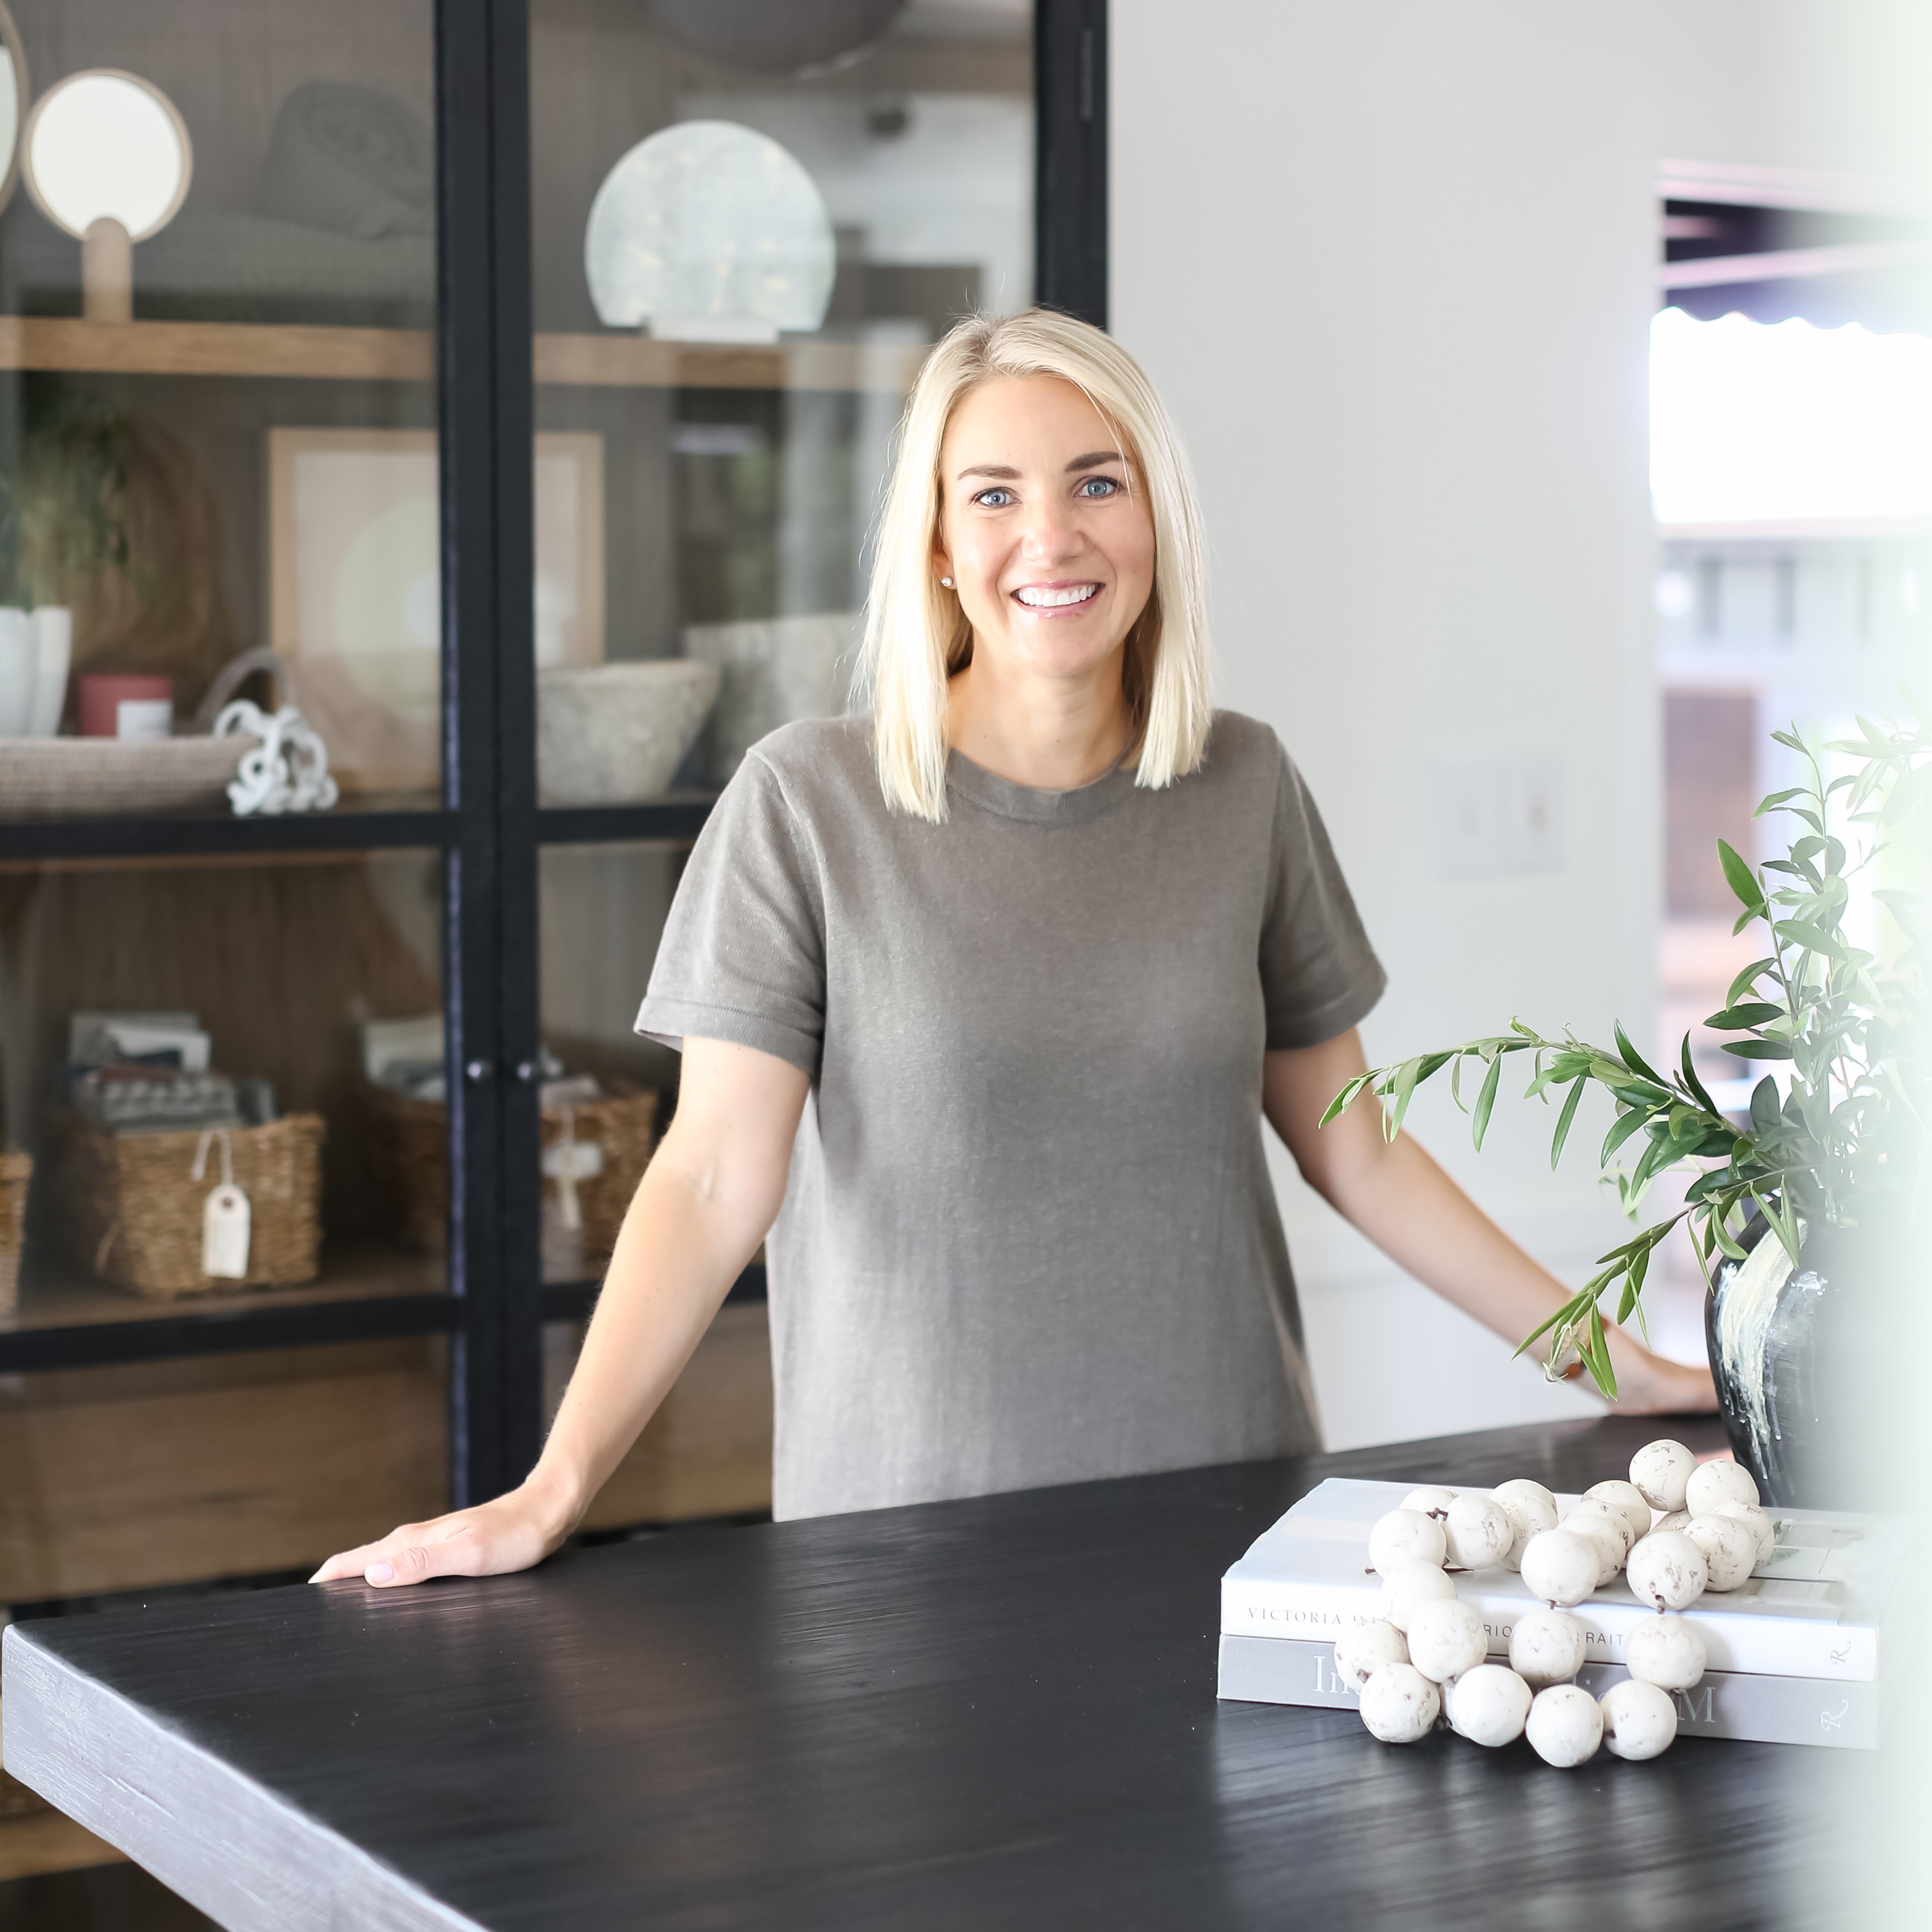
point(167, 1026)
point(217, 406)
point(712, 434)
point(217, 1466)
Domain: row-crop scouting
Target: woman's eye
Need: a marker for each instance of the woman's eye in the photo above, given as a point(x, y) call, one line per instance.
point(1099, 486)
point(993, 499)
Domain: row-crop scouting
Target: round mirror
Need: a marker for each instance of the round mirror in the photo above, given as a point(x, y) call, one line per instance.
point(13, 103)
point(709, 232)
point(107, 146)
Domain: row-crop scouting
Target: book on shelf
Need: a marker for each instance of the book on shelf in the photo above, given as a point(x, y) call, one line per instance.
point(1740, 1705)
point(1812, 1608)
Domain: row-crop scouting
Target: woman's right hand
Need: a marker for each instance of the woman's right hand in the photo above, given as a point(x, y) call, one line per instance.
point(511, 1532)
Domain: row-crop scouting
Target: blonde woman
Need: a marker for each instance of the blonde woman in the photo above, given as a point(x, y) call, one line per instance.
point(983, 998)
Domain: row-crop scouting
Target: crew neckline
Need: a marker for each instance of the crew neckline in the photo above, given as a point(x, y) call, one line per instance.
point(1011, 800)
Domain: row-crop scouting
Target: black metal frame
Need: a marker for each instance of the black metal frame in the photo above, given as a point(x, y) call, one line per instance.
point(488, 825)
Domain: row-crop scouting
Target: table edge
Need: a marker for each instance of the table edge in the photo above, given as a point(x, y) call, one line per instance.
point(91, 1753)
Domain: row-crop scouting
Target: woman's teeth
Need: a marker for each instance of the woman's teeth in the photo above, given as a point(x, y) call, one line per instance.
point(1049, 600)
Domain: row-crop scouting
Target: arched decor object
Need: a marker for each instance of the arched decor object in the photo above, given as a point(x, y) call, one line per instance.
point(708, 231)
point(107, 157)
point(13, 99)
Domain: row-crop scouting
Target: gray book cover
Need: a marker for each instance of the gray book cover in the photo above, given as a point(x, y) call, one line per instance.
point(1725, 1704)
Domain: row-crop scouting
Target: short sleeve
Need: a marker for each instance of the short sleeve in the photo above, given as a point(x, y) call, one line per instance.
point(1319, 974)
point(742, 958)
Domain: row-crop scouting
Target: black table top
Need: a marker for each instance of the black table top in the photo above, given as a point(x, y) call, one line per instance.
point(997, 1713)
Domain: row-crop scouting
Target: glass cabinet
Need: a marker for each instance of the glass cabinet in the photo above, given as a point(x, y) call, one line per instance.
point(506, 390)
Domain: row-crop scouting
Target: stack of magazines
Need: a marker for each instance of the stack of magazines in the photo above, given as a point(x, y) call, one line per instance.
point(1794, 1654)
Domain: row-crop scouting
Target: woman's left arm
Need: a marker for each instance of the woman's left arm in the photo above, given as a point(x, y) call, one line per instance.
point(1397, 1196)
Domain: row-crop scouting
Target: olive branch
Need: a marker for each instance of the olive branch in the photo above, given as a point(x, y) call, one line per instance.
point(1851, 1130)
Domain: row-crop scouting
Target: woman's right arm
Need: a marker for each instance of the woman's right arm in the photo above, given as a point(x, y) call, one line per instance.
point(713, 1189)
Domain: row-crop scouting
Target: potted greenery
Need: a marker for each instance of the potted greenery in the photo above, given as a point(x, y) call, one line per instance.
point(1792, 1196)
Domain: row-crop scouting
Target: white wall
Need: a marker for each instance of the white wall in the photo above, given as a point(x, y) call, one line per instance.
point(1391, 264)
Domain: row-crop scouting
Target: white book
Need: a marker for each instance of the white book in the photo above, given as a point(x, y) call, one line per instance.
point(1812, 1609)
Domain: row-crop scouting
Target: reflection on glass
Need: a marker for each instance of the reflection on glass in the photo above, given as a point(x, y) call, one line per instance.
point(169, 1029)
point(246, 1464)
point(746, 439)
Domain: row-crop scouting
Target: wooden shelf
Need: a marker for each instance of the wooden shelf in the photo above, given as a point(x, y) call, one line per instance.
point(255, 349)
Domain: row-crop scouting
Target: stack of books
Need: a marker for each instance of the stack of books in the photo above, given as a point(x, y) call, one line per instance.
point(1794, 1654)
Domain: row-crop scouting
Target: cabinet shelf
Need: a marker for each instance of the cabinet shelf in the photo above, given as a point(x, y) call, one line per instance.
point(365, 1293)
point(353, 828)
point(285, 350)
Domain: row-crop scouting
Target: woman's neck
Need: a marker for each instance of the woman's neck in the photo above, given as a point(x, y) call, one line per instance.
point(1053, 734)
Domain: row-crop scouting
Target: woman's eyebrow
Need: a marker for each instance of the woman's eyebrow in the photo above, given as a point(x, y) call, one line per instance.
point(1093, 459)
point(1001, 470)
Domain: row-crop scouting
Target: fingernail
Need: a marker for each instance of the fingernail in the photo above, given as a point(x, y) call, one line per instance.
point(379, 1572)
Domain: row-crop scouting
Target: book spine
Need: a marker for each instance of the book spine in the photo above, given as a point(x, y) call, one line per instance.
point(1776, 1646)
point(1738, 1704)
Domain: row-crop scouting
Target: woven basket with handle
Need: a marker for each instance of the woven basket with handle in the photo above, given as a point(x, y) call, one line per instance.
point(410, 1141)
point(132, 1206)
point(17, 1170)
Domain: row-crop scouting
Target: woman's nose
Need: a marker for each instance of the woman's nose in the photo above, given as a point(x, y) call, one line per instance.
point(1051, 531)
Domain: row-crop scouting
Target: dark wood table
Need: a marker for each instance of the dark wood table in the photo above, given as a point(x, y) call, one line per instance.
point(993, 1714)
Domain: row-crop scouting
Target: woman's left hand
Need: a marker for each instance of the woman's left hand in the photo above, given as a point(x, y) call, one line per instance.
point(1649, 1385)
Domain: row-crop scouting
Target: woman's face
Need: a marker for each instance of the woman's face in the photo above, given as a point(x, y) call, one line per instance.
point(1050, 552)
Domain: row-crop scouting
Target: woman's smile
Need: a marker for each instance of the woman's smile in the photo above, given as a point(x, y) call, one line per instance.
point(1058, 599)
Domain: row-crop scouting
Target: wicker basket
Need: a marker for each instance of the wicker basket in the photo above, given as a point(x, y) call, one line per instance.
point(132, 1209)
point(17, 1170)
point(409, 1140)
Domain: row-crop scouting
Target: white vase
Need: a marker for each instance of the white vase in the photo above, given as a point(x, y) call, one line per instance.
point(53, 636)
point(19, 663)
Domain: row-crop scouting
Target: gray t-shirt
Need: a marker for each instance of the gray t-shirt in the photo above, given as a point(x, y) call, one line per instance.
point(1029, 1236)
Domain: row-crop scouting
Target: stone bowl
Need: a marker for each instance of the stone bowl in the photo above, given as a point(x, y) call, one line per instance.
point(613, 734)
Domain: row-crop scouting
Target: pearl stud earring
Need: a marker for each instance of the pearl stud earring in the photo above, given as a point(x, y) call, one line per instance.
point(947, 582)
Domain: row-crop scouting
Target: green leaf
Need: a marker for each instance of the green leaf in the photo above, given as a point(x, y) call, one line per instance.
point(1634, 1060)
point(1741, 879)
point(1346, 1099)
point(1758, 1049)
point(1749, 977)
point(1691, 1080)
point(1487, 1100)
point(1597, 1354)
point(1626, 1125)
point(1752, 1013)
point(1563, 1119)
point(1813, 938)
point(1778, 798)
point(1569, 1311)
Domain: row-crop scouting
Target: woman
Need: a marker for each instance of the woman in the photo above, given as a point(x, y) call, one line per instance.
point(991, 990)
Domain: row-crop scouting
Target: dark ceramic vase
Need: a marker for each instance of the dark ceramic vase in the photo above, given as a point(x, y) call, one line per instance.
point(1799, 1355)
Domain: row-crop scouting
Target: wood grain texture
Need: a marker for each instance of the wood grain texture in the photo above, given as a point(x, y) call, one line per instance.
point(996, 1712)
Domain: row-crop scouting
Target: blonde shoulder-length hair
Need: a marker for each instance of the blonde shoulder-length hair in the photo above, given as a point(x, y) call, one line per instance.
point(916, 635)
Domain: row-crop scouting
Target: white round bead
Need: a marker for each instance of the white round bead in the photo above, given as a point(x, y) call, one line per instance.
point(1400, 1705)
point(1489, 1704)
point(1432, 1499)
point(1639, 1721)
point(1530, 1509)
point(1600, 1509)
point(1667, 1570)
point(1667, 1652)
point(1479, 1532)
point(1676, 1519)
point(1406, 1536)
point(1409, 1586)
point(1446, 1638)
point(1627, 1497)
point(1660, 1470)
point(1547, 1647)
point(1729, 1548)
point(1560, 1567)
point(1762, 1526)
point(1360, 1652)
point(1565, 1725)
point(1604, 1531)
point(1714, 1484)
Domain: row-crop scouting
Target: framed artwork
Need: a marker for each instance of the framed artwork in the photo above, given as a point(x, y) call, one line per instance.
point(355, 585)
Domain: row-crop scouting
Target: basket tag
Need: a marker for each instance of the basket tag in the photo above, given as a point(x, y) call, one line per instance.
point(224, 1233)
